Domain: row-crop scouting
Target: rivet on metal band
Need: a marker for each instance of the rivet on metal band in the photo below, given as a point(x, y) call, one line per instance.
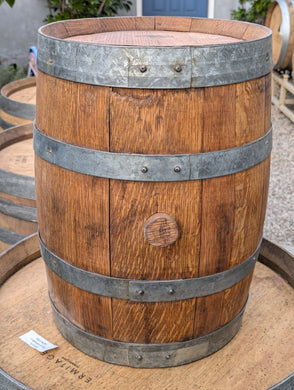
point(146, 355)
point(145, 167)
point(150, 290)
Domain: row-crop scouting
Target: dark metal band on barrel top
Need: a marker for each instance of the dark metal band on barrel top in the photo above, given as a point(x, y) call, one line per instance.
point(146, 355)
point(144, 167)
point(147, 290)
point(164, 67)
point(7, 382)
point(10, 237)
point(18, 211)
point(15, 108)
point(17, 185)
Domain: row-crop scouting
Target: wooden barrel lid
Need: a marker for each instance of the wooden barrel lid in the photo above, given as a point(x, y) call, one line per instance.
point(260, 356)
point(154, 38)
point(18, 158)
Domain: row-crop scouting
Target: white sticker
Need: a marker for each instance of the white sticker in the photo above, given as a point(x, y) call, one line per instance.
point(37, 342)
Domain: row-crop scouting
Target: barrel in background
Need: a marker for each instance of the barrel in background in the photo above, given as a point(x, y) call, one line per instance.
point(137, 102)
point(18, 102)
point(18, 215)
point(280, 19)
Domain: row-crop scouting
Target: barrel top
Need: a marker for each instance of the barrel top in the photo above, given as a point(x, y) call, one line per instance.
point(155, 31)
point(154, 38)
point(155, 52)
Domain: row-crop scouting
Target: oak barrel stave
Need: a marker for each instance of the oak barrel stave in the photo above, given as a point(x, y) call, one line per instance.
point(220, 220)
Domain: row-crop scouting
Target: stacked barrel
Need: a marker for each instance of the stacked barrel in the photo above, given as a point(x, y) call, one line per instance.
point(280, 19)
point(18, 217)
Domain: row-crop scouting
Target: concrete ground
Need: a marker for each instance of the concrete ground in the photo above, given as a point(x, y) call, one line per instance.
point(279, 223)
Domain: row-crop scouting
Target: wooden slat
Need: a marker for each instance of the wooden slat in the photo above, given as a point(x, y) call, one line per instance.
point(217, 226)
point(17, 225)
point(73, 208)
point(166, 122)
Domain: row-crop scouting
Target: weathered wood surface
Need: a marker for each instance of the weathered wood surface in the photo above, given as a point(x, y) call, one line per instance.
point(98, 224)
point(260, 356)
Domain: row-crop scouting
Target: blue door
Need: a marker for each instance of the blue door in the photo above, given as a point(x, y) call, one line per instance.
point(175, 8)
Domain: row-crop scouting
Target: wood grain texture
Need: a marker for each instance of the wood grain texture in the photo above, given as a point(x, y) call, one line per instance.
point(166, 123)
point(161, 230)
point(17, 224)
point(220, 219)
point(154, 38)
point(14, 120)
point(98, 224)
point(18, 158)
point(260, 356)
point(73, 209)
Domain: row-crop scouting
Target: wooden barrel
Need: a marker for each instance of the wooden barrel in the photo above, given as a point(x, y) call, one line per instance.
point(259, 357)
point(152, 143)
point(18, 214)
point(280, 19)
point(18, 102)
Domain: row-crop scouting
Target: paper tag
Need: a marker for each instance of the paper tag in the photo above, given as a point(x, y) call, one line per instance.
point(37, 342)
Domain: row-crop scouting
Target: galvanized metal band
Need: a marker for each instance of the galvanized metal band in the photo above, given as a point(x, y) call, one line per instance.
point(147, 290)
point(119, 66)
point(285, 31)
point(146, 355)
point(17, 185)
point(286, 384)
point(10, 237)
point(16, 108)
point(7, 382)
point(143, 167)
point(4, 124)
point(18, 211)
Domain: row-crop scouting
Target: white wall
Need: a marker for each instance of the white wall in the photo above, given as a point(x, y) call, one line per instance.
point(223, 8)
point(18, 28)
point(19, 25)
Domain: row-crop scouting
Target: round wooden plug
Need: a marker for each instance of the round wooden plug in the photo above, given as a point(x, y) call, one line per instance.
point(161, 230)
